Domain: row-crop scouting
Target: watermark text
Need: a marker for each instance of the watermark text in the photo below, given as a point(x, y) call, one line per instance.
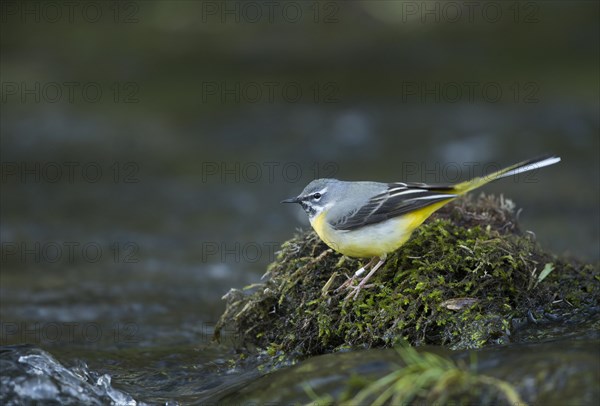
point(68, 172)
point(454, 172)
point(68, 332)
point(69, 12)
point(267, 172)
point(270, 12)
point(70, 92)
point(227, 251)
point(269, 92)
point(470, 12)
point(469, 92)
point(68, 252)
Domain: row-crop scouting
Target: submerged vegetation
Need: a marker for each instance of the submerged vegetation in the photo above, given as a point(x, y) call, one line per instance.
point(468, 278)
point(429, 378)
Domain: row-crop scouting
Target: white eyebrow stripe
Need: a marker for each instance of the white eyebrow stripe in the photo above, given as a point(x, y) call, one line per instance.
point(318, 191)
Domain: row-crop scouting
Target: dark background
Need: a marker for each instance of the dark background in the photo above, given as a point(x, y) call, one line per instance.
point(146, 144)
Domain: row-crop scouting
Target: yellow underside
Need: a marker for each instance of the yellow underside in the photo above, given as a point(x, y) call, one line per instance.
point(376, 239)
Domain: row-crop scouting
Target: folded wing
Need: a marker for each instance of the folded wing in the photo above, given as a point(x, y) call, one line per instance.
point(398, 199)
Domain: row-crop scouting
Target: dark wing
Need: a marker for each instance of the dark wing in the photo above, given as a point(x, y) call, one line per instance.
point(398, 199)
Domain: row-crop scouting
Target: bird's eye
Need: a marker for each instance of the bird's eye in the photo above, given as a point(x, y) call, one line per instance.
point(316, 196)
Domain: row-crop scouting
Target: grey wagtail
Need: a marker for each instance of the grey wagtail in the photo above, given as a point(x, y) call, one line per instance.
point(372, 219)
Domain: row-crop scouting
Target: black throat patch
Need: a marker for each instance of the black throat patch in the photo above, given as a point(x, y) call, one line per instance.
point(308, 208)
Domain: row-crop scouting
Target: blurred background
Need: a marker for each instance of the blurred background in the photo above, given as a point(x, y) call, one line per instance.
point(146, 144)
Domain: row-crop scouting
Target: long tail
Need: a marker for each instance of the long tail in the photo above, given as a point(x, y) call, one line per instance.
point(529, 165)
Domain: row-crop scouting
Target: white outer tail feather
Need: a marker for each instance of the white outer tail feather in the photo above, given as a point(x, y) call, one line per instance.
point(531, 166)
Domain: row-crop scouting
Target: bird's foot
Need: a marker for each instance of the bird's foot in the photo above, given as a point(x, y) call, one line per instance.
point(355, 290)
point(347, 284)
point(351, 279)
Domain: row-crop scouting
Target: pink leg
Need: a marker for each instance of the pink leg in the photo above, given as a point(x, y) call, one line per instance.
point(355, 290)
point(356, 274)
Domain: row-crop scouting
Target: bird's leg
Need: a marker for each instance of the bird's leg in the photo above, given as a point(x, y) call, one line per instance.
point(358, 273)
point(355, 290)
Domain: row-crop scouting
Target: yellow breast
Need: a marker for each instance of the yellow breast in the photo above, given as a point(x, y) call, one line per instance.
point(375, 239)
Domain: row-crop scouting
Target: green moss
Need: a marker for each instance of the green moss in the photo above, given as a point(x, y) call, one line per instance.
point(463, 280)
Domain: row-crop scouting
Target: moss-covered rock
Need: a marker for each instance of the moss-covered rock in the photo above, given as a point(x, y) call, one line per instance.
point(467, 278)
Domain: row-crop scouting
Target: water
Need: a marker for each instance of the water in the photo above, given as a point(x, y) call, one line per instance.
point(543, 372)
point(31, 374)
point(125, 220)
point(135, 325)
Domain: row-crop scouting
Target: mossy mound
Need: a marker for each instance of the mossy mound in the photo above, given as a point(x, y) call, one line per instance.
point(466, 279)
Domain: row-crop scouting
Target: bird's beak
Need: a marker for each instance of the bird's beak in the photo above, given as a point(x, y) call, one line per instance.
point(291, 200)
